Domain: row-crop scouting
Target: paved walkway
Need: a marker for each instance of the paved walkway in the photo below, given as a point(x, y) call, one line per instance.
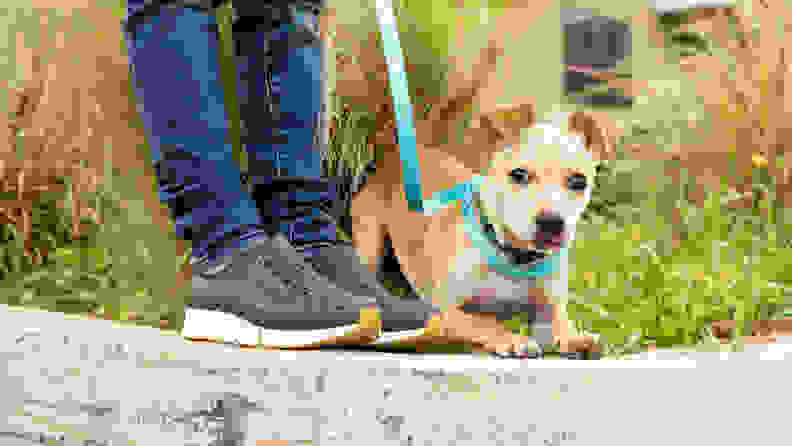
point(100, 383)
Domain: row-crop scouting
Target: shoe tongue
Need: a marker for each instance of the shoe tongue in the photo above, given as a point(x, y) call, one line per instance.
point(230, 242)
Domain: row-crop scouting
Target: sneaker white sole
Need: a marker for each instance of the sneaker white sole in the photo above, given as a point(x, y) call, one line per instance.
point(681, 5)
point(401, 336)
point(428, 333)
point(216, 326)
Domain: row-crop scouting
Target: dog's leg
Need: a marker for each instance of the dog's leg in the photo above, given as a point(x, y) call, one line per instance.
point(557, 295)
point(482, 331)
point(456, 323)
point(368, 232)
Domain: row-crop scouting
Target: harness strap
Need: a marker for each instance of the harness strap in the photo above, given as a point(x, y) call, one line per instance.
point(483, 241)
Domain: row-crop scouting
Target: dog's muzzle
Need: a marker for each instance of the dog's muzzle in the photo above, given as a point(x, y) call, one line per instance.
point(550, 231)
point(550, 234)
point(514, 256)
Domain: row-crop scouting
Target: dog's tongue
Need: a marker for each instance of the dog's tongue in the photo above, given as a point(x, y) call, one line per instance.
point(554, 240)
point(581, 68)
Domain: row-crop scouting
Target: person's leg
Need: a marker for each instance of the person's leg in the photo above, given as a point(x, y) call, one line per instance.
point(258, 283)
point(173, 54)
point(281, 90)
point(278, 53)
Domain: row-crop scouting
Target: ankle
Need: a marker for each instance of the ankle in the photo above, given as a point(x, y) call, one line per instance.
point(137, 10)
point(301, 208)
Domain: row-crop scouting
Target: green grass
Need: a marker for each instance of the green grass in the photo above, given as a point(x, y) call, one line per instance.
point(642, 292)
point(730, 265)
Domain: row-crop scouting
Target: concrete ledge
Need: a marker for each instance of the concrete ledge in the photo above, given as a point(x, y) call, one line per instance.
point(101, 383)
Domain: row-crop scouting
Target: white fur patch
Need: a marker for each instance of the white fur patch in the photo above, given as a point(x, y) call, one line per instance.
point(469, 280)
point(543, 134)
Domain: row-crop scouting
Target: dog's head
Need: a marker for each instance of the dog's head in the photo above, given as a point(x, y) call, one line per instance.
point(537, 185)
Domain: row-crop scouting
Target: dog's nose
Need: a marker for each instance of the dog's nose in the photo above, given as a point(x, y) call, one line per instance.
point(550, 224)
point(519, 256)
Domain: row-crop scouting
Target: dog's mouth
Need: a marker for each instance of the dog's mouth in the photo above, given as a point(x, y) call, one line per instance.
point(545, 245)
point(550, 240)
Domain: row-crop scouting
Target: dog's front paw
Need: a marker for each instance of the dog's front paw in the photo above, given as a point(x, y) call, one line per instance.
point(579, 347)
point(592, 355)
point(530, 350)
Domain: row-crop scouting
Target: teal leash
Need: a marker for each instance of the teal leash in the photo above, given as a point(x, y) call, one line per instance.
point(401, 105)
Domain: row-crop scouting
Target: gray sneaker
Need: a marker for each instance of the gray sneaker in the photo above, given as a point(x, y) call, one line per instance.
point(340, 263)
point(266, 295)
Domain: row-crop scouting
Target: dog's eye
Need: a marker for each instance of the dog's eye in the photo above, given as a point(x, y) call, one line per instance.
point(521, 176)
point(577, 182)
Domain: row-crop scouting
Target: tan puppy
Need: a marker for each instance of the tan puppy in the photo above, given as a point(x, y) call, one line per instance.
point(535, 181)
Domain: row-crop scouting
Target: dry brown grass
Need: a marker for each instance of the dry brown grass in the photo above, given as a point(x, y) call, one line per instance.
point(73, 105)
point(30, 167)
point(748, 104)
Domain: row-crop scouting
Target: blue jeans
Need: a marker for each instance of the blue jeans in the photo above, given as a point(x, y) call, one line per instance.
point(173, 53)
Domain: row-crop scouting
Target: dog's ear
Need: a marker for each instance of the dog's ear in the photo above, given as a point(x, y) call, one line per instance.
point(595, 135)
point(445, 112)
point(506, 122)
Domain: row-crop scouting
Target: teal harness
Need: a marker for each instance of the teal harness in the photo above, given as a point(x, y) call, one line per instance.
point(463, 192)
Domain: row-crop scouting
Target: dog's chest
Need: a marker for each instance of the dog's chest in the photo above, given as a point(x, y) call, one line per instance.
point(471, 277)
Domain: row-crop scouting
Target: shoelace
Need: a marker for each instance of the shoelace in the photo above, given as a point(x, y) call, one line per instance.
point(279, 187)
